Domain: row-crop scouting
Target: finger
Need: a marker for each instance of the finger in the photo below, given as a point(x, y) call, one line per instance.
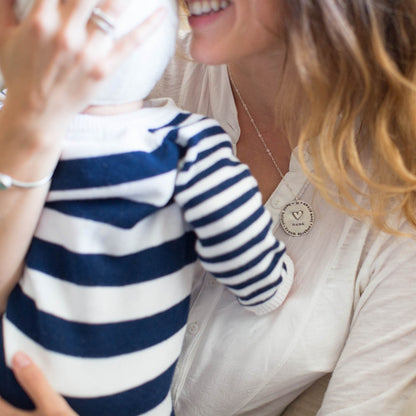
point(44, 6)
point(42, 16)
point(7, 17)
point(30, 377)
point(128, 43)
point(8, 410)
point(78, 11)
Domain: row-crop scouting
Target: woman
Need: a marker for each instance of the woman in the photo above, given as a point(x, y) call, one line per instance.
point(336, 81)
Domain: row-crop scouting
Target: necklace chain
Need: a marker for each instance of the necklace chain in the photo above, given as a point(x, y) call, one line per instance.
point(259, 134)
point(296, 217)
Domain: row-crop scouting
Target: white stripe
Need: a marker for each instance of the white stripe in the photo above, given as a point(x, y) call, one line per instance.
point(219, 175)
point(259, 268)
point(224, 198)
point(193, 126)
point(156, 190)
point(260, 298)
point(84, 236)
point(237, 241)
point(219, 200)
point(244, 258)
point(84, 378)
point(227, 222)
point(135, 138)
point(209, 143)
point(100, 305)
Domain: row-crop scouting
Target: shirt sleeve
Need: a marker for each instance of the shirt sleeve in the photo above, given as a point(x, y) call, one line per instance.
point(376, 372)
point(221, 201)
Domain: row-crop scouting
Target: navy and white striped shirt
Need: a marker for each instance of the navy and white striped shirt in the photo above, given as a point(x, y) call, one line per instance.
point(135, 202)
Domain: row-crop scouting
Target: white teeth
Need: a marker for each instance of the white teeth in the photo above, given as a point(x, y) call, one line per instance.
point(206, 8)
point(197, 8)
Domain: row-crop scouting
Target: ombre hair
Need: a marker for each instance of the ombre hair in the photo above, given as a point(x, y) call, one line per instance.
point(356, 64)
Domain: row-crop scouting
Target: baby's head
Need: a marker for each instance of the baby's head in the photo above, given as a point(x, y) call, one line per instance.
point(139, 73)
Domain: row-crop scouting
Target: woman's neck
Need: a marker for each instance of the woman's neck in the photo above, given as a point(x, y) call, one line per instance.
point(269, 87)
point(263, 86)
point(259, 85)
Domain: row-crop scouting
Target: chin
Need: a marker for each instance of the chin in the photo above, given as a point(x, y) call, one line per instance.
point(208, 53)
point(212, 23)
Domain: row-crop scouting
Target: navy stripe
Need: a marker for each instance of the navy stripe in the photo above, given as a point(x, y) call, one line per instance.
point(209, 132)
point(262, 301)
point(221, 213)
point(179, 119)
point(93, 340)
point(262, 290)
point(223, 186)
point(129, 403)
point(257, 239)
point(115, 169)
point(227, 235)
point(118, 212)
point(204, 154)
point(251, 264)
point(215, 168)
point(106, 270)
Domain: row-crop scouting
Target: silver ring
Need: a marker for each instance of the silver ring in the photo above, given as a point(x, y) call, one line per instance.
point(103, 21)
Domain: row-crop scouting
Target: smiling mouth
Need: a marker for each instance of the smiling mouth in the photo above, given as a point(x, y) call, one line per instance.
point(199, 8)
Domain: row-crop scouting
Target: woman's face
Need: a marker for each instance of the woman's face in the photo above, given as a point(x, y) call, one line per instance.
point(228, 30)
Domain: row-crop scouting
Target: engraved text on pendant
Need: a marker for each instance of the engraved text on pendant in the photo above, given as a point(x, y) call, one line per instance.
point(297, 218)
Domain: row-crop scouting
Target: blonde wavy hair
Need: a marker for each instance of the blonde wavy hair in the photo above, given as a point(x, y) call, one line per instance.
point(356, 63)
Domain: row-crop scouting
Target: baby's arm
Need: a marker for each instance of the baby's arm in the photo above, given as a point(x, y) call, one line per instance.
point(222, 203)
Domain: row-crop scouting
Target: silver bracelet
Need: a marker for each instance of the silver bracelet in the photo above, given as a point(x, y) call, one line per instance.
point(7, 182)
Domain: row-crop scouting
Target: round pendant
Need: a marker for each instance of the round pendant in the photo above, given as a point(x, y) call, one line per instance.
point(297, 218)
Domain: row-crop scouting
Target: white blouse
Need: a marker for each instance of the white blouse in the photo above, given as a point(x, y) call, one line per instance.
point(351, 311)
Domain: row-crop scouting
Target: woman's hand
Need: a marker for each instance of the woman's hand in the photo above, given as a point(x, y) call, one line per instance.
point(47, 402)
point(55, 60)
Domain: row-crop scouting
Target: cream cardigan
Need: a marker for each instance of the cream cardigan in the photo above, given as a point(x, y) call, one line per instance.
point(351, 311)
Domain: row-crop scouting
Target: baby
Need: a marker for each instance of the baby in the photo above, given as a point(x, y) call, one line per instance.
point(137, 203)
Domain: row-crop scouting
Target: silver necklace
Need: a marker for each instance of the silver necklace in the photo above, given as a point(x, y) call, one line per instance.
point(297, 217)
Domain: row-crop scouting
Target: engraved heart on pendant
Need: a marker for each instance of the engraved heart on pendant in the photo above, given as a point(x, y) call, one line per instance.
point(297, 218)
point(297, 214)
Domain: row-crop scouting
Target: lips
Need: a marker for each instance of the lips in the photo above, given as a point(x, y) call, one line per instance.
point(204, 7)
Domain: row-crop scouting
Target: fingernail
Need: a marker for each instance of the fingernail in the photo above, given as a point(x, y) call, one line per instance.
point(21, 360)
